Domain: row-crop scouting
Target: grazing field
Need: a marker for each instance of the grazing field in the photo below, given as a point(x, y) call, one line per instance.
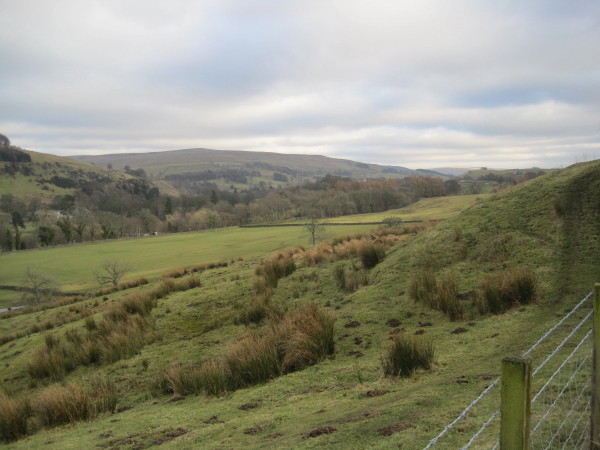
point(246, 356)
point(73, 266)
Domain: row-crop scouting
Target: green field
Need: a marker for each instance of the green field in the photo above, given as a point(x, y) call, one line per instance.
point(73, 266)
point(343, 401)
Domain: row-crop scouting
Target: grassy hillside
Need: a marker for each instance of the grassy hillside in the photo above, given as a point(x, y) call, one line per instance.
point(43, 177)
point(547, 226)
point(295, 167)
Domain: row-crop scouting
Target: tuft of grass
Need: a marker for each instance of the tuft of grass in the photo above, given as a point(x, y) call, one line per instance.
point(504, 290)
point(405, 354)
point(446, 297)
point(371, 254)
point(421, 286)
point(339, 272)
point(275, 269)
point(14, 414)
point(355, 279)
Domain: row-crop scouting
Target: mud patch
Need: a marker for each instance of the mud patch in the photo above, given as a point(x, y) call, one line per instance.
point(254, 430)
point(365, 415)
point(418, 332)
point(356, 353)
point(395, 428)
point(376, 393)
point(170, 435)
point(319, 431)
point(212, 420)
point(393, 323)
point(459, 330)
point(124, 408)
point(353, 324)
point(248, 406)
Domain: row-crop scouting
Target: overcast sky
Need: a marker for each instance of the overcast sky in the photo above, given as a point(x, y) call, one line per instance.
point(420, 83)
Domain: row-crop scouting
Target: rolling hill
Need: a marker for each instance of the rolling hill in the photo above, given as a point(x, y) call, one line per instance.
point(546, 227)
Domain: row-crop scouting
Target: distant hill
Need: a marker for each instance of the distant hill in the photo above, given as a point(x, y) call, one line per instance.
point(243, 168)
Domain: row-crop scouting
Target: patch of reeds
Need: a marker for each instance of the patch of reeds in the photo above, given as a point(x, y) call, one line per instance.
point(58, 405)
point(274, 269)
point(14, 415)
point(504, 290)
point(407, 353)
point(446, 297)
point(371, 253)
point(355, 279)
point(292, 342)
point(421, 286)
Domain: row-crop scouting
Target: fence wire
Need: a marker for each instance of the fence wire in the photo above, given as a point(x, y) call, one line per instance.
point(562, 383)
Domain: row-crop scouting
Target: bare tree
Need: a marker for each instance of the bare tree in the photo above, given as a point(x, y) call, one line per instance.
point(112, 271)
point(38, 287)
point(315, 228)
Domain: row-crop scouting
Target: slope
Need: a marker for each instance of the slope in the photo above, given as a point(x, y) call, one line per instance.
point(344, 402)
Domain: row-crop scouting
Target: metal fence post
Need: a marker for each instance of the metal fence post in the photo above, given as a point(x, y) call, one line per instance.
point(515, 406)
point(595, 407)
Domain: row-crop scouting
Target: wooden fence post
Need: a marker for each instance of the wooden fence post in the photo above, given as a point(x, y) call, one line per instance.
point(595, 417)
point(515, 406)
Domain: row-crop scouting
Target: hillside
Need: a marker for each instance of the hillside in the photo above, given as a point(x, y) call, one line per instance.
point(546, 227)
point(244, 167)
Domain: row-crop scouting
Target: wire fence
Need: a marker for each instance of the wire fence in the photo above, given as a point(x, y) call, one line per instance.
point(561, 387)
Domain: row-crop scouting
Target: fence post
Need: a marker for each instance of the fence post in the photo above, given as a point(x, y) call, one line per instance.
point(515, 403)
point(595, 417)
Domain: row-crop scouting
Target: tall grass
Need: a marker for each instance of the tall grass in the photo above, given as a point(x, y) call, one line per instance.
point(292, 342)
point(405, 354)
point(421, 286)
point(504, 290)
point(446, 297)
point(14, 414)
point(274, 269)
point(371, 253)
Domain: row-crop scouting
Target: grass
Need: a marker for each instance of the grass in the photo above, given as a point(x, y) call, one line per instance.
point(406, 354)
point(347, 393)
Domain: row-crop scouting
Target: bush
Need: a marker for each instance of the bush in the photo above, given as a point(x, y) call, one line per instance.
point(14, 413)
point(405, 354)
point(504, 290)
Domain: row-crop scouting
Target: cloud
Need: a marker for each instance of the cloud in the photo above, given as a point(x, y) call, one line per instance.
point(418, 84)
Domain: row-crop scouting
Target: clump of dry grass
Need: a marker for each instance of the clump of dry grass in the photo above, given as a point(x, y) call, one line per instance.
point(504, 290)
point(14, 415)
point(405, 354)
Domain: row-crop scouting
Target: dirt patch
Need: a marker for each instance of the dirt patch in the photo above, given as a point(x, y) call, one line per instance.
point(356, 353)
point(213, 419)
point(106, 434)
point(393, 323)
point(124, 408)
point(460, 380)
point(486, 376)
point(365, 415)
point(254, 430)
point(495, 335)
point(274, 435)
point(321, 411)
point(319, 431)
point(247, 406)
point(472, 324)
point(397, 331)
point(459, 330)
point(353, 324)
point(419, 332)
point(376, 392)
point(395, 428)
point(358, 340)
point(425, 324)
point(176, 399)
point(170, 435)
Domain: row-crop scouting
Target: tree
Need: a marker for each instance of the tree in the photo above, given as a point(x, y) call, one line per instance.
point(38, 287)
point(111, 272)
point(315, 228)
point(4, 141)
point(46, 235)
point(66, 226)
point(17, 222)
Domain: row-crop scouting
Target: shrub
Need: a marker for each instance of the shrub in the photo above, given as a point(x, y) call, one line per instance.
point(506, 289)
point(371, 254)
point(14, 413)
point(405, 354)
point(421, 286)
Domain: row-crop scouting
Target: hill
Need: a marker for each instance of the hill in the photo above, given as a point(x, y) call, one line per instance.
point(545, 228)
point(244, 167)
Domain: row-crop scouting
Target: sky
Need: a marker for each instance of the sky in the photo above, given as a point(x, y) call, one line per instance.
point(420, 84)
